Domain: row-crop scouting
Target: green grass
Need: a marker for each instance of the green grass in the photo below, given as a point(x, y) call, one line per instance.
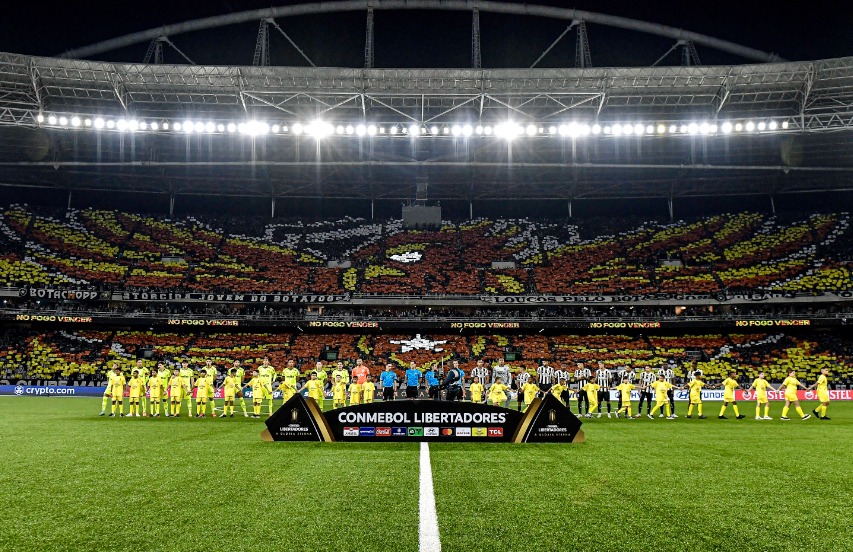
point(74, 481)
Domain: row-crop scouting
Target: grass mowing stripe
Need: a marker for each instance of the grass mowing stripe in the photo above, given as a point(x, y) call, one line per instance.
point(428, 539)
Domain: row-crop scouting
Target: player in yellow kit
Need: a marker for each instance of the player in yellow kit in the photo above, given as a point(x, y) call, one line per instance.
point(188, 379)
point(339, 393)
point(212, 374)
point(163, 376)
point(108, 389)
point(529, 391)
point(202, 393)
point(155, 395)
point(497, 392)
point(238, 394)
point(591, 389)
point(476, 389)
point(176, 393)
point(354, 392)
point(117, 391)
point(661, 387)
point(559, 390)
point(368, 390)
point(822, 385)
point(729, 386)
point(267, 374)
point(289, 376)
point(695, 388)
point(257, 384)
point(315, 389)
point(625, 389)
point(229, 390)
point(761, 386)
point(791, 384)
point(136, 390)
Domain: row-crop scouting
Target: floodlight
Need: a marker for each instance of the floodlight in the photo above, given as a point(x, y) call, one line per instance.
point(111, 123)
point(531, 130)
point(51, 120)
point(661, 129)
point(63, 121)
point(457, 130)
point(762, 125)
point(704, 128)
point(198, 127)
point(75, 121)
point(750, 126)
point(414, 130)
point(87, 122)
point(596, 129)
point(467, 130)
point(298, 128)
point(361, 130)
point(433, 130)
point(552, 129)
point(394, 130)
point(479, 129)
point(40, 118)
point(210, 127)
point(785, 125)
point(133, 125)
point(220, 127)
point(772, 125)
point(638, 129)
point(350, 129)
point(738, 127)
point(155, 126)
point(650, 129)
point(121, 124)
point(727, 128)
point(371, 130)
point(673, 129)
point(692, 128)
point(487, 130)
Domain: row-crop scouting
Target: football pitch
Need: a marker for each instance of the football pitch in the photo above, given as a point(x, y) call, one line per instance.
point(76, 481)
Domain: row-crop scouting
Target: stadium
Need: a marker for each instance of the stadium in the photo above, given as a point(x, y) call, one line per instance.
point(300, 276)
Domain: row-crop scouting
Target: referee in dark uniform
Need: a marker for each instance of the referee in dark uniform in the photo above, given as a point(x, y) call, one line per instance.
point(454, 383)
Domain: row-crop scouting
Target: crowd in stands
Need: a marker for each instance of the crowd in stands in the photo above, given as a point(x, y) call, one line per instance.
point(742, 252)
point(83, 355)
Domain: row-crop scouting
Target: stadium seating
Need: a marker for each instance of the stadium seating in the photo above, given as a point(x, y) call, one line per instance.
point(84, 354)
point(742, 252)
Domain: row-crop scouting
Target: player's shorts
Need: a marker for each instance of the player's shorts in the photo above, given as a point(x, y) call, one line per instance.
point(728, 398)
point(107, 391)
point(134, 397)
point(228, 396)
point(603, 396)
point(287, 393)
point(388, 394)
point(695, 399)
point(823, 396)
point(791, 397)
point(266, 394)
point(432, 392)
point(761, 400)
point(156, 397)
point(661, 402)
point(411, 391)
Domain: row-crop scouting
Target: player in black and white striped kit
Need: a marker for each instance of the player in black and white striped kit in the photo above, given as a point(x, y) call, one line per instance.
point(647, 378)
point(564, 373)
point(669, 376)
point(520, 380)
point(481, 374)
point(604, 379)
point(582, 376)
point(545, 377)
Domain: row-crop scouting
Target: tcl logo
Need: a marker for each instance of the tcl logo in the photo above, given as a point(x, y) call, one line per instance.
point(496, 432)
point(383, 431)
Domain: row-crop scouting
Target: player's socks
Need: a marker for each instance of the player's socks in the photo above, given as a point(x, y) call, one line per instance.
point(690, 410)
point(737, 412)
point(757, 412)
point(699, 409)
point(723, 410)
point(668, 410)
point(785, 410)
point(104, 403)
point(766, 410)
point(825, 407)
point(800, 412)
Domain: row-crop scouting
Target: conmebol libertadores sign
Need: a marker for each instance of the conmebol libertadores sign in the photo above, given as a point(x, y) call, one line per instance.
point(546, 420)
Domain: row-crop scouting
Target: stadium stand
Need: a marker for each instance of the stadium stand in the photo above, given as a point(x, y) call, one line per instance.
point(742, 252)
point(82, 355)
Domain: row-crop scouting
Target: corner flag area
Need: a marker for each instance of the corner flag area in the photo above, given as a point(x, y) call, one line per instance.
point(76, 481)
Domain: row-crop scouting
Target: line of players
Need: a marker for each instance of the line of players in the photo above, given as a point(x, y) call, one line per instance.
point(661, 386)
point(592, 389)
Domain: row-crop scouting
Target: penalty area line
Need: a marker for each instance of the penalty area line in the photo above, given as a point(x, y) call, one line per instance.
point(428, 540)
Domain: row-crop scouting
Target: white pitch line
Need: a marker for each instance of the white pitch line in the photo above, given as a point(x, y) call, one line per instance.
point(428, 540)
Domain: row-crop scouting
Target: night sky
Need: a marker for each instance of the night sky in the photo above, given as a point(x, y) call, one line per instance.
point(797, 31)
